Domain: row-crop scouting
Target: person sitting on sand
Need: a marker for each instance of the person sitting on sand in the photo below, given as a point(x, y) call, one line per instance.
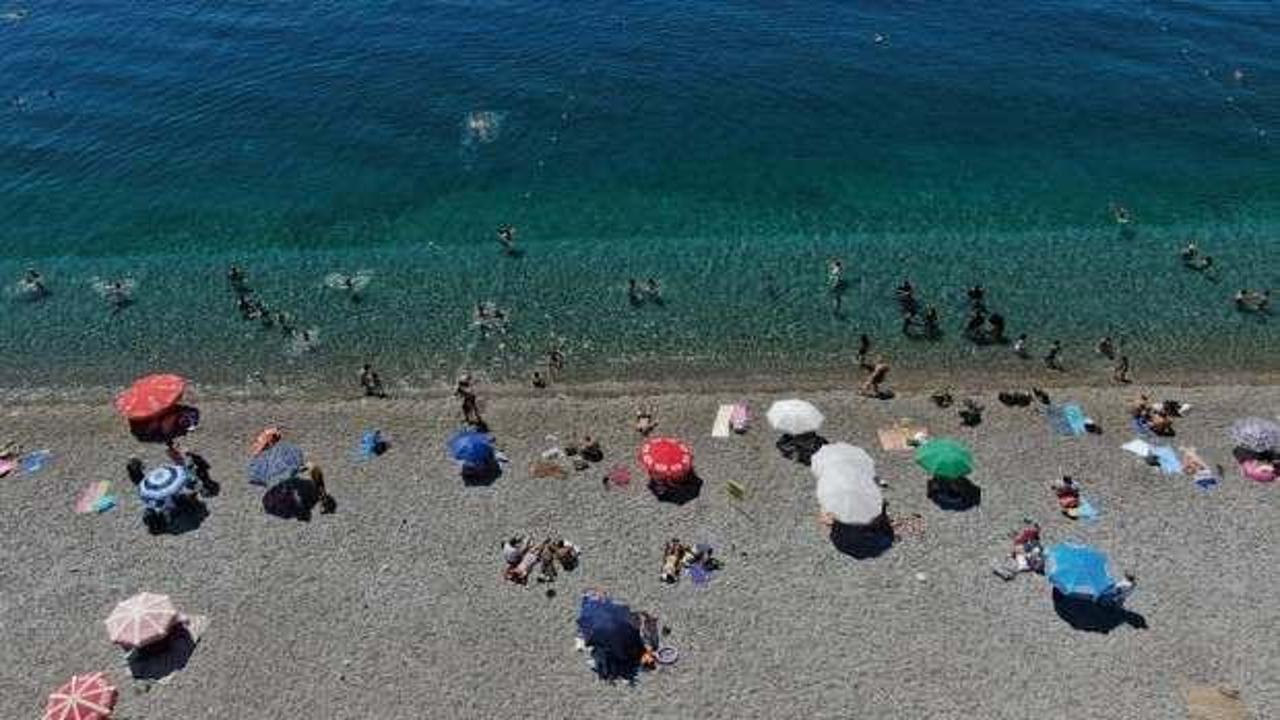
point(971, 413)
point(645, 421)
point(871, 388)
point(590, 449)
point(672, 560)
point(513, 550)
point(1027, 554)
point(1068, 494)
point(538, 380)
point(519, 573)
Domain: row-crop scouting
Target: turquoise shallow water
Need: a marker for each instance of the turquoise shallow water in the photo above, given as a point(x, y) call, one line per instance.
point(728, 149)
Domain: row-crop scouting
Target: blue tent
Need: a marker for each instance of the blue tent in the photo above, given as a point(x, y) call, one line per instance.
point(160, 486)
point(471, 448)
point(1078, 570)
point(614, 640)
point(275, 464)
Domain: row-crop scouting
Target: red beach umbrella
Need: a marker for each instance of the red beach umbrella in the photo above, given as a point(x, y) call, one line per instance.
point(83, 697)
point(666, 459)
point(151, 395)
point(141, 620)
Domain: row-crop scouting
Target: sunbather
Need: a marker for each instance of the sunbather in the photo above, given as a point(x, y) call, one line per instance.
point(645, 421)
point(1027, 554)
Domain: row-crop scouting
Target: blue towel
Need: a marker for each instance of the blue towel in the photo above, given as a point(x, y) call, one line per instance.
point(1169, 462)
point(34, 461)
point(1074, 417)
point(1086, 510)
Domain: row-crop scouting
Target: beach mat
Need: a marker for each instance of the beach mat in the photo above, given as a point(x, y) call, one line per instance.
point(720, 428)
point(898, 437)
point(94, 498)
point(1206, 702)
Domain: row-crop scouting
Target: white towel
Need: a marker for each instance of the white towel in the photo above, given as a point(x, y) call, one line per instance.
point(720, 428)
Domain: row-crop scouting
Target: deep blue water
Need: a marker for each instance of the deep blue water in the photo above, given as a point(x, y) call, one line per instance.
point(728, 149)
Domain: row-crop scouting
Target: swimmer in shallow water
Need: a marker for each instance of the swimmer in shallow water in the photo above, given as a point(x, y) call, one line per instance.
point(1121, 214)
point(835, 282)
point(31, 286)
point(354, 285)
point(118, 293)
point(507, 239)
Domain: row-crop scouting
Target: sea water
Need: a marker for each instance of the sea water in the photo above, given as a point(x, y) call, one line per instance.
point(727, 149)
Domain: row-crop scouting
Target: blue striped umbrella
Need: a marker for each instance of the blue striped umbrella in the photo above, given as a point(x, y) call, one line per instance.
point(275, 464)
point(163, 484)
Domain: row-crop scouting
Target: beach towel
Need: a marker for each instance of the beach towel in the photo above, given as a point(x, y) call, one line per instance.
point(1141, 448)
point(90, 498)
point(1169, 462)
point(740, 418)
point(34, 461)
point(720, 428)
point(900, 436)
point(7, 466)
point(619, 475)
point(1205, 702)
point(1066, 419)
point(1086, 510)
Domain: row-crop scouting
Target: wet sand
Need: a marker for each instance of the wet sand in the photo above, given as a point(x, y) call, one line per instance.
point(394, 607)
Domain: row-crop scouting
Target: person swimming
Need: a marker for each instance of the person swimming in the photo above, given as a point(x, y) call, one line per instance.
point(236, 277)
point(652, 291)
point(1121, 214)
point(354, 285)
point(633, 292)
point(31, 286)
point(507, 239)
point(118, 293)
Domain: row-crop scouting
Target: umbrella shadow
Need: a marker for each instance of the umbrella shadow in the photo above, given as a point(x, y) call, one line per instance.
point(163, 658)
point(800, 448)
point(954, 495)
point(1091, 616)
point(863, 541)
point(189, 515)
point(677, 493)
point(480, 475)
point(293, 499)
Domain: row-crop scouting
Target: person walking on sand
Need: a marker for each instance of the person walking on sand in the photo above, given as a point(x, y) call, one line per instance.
point(370, 382)
point(1121, 373)
point(1051, 360)
point(871, 388)
point(465, 393)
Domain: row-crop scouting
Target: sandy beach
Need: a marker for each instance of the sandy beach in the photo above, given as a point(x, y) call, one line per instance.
point(394, 606)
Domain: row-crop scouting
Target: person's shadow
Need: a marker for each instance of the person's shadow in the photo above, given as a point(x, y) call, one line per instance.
point(296, 499)
point(956, 495)
point(862, 541)
point(1091, 616)
point(677, 493)
point(800, 447)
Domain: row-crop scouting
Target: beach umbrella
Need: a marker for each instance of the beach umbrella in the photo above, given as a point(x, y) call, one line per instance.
point(161, 484)
point(83, 697)
point(794, 417)
point(1257, 434)
point(141, 620)
point(1077, 570)
point(666, 459)
point(945, 458)
point(847, 484)
point(607, 628)
point(276, 464)
point(471, 448)
point(151, 395)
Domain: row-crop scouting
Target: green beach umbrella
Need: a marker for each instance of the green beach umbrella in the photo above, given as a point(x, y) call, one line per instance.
point(945, 458)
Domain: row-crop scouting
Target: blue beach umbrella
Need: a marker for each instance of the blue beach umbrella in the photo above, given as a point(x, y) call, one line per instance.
point(471, 448)
point(162, 484)
point(615, 642)
point(1077, 570)
point(275, 464)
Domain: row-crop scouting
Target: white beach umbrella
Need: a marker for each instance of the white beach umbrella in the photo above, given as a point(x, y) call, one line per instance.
point(794, 417)
point(847, 483)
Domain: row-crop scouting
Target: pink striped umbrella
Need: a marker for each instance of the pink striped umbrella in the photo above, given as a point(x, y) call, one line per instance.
point(141, 620)
point(83, 697)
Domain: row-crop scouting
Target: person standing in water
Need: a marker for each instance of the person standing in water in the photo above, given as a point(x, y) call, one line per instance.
point(1051, 358)
point(1020, 347)
point(507, 239)
point(1107, 348)
point(1121, 373)
point(371, 383)
point(835, 282)
point(864, 349)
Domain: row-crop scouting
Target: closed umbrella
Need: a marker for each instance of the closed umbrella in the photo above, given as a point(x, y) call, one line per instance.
point(83, 697)
point(276, 464)
point(162, 484)
point(1256, 434)
point(666, 459)
point(471, 448)
point(945, 458)
point(151, 395)
point(846, 485)
point(141, 620)
point(1077, 570)
point(794, 417)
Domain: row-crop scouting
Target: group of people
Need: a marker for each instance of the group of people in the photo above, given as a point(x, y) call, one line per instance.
point(915, 322)
point(678, 557)
point(251, 307)
point(1155, 417)
point(523, 556)
point(118, 293)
